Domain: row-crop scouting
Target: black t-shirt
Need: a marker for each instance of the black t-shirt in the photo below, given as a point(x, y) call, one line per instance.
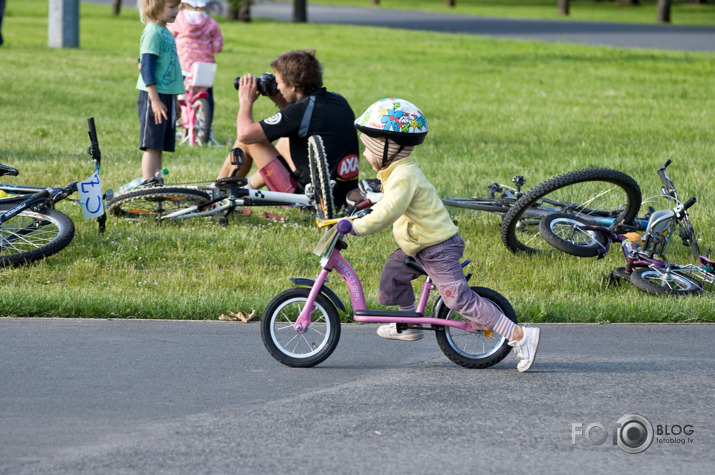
point(332, 119)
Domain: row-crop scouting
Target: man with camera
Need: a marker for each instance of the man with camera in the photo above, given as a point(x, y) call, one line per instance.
point(306, 108)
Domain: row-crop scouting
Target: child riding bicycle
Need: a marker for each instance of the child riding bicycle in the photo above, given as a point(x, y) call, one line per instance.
point(423, 229)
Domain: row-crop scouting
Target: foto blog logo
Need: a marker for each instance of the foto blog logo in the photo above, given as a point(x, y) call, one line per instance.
point(633, 433)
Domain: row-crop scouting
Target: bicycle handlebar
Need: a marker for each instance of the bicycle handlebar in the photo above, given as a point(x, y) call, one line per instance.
point(689, 203)
point(93, 149)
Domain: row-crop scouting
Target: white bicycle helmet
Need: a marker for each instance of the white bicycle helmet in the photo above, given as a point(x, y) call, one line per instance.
point(394, 119)
point(391, 120)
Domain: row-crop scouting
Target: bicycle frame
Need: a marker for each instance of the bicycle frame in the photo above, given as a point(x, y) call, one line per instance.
point(245, 197)
point(332, 259)
point(32, 196)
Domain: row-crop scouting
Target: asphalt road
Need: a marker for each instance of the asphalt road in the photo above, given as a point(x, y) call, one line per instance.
point(664, 37)
point(138, 396)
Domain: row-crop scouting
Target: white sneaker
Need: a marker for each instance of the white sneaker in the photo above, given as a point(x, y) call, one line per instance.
point(390, 332)
point(526, 348)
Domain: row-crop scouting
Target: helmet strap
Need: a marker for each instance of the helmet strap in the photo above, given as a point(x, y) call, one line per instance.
point(385, 160)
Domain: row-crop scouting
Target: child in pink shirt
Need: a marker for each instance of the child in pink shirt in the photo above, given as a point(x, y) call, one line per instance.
point(198, 37)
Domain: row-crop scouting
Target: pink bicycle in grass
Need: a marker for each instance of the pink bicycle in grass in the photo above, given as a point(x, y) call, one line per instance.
point(300, 327)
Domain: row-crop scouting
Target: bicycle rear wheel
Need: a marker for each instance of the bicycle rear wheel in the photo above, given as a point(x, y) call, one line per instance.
point(156, 202)
point(33, 235)
point(655, 282)
point(474, 350)
point(202, 122)
point(320, 178)
point(599, 196)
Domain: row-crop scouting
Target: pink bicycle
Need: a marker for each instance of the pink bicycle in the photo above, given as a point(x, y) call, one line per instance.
point(196, 110)
point(300, 327)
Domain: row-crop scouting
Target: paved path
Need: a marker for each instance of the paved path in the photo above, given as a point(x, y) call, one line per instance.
point(195, 397)
point(667, 37)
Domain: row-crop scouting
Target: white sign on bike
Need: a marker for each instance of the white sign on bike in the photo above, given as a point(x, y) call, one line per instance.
point(90, 197)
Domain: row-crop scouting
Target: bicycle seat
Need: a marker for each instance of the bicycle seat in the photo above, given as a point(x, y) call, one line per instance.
point(5, 170)
point(413, 264)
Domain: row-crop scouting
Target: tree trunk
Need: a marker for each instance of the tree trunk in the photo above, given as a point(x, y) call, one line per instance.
point(450, 3)
point(663, 11)
point(375, 2)
point(563, 7)
point(300, 11)
point(629, 3)
point(116, 7)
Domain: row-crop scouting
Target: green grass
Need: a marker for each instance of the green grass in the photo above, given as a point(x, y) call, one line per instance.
point(496, 108)
point(682, 13)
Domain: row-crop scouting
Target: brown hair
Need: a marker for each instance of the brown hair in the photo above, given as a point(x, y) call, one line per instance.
point(300, 69)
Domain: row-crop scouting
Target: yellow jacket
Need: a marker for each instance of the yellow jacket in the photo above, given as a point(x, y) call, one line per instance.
point(411, 204)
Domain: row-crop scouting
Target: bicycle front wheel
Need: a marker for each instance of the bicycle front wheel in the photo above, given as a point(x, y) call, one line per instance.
point(292, 348)
point(657, 282)
point(474, 350)
point(156, 202)
point(599, 196)
point(33, 235)
point(320, 178)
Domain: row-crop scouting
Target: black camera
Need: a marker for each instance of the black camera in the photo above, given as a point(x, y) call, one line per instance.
point(266, 84)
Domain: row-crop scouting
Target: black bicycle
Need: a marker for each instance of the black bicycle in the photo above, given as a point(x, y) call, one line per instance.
point(599, 195)
point(30, 226)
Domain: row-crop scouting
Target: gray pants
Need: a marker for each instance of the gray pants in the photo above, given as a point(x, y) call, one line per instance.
point(442, 264)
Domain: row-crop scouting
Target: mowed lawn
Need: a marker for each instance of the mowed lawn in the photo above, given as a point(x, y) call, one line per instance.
point(496, 108)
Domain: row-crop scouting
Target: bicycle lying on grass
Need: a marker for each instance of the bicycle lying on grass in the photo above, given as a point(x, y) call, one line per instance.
point(300, 327)
point(224, 195)
point(30, 226)
point(601, 195)
point(577, 237)
point(598, 196)
point(674, 214)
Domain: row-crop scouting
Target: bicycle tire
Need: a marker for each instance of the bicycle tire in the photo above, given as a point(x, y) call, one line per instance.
point(202, 122)
point(597, 195)
point(299, 350)
point(672, 283)
point(320, 178)
point(490, 205)
point(156, 201)
point(474, 350)
point(562, 231)
point(33, 235)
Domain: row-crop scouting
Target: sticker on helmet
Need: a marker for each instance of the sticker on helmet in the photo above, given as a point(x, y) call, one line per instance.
point(274, 119)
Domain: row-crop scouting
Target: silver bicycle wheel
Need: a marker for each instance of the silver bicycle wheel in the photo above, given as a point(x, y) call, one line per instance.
point(33, 235)
point(156, 202)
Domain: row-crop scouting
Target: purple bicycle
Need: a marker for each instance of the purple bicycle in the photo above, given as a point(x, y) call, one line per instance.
point(300, 327)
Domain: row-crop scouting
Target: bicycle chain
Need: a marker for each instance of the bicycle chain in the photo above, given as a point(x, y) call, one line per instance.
point(184, 183)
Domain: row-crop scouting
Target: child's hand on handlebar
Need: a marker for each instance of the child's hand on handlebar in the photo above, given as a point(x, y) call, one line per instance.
point(345, 226)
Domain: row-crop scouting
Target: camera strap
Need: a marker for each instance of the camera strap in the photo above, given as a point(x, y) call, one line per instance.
point(307, 115)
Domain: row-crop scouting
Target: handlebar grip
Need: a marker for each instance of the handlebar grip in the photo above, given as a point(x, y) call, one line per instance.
point(344, 226)
point(665, 165)
point(689, 203)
